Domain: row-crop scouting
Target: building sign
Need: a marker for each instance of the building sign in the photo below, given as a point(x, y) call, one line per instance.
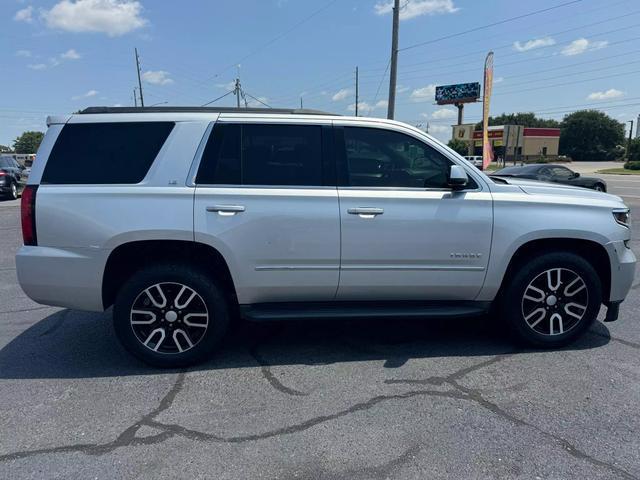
point(463, 132)
point(459, 93)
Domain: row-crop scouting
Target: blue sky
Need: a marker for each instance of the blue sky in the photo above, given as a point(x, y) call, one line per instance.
point(62, 55)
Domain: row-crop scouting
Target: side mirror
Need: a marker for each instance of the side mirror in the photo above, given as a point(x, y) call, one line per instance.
point(457, 177)
point(576, 174)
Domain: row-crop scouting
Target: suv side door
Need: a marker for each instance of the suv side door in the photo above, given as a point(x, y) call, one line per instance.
point(266, 200)
point(405, 234)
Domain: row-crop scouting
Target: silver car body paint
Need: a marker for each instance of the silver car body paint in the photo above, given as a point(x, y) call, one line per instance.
point(302, 244)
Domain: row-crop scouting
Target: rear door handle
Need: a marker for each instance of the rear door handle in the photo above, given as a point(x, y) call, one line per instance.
point(226, 210)
point(365, 212)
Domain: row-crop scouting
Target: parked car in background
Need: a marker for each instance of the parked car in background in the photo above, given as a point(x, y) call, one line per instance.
point(12, 177)
point(476, 160)
point(552, 173)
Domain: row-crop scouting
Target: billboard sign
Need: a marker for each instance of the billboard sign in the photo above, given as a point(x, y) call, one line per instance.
point(459, 93)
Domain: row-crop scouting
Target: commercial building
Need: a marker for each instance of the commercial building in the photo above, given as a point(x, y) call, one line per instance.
point(525, 143)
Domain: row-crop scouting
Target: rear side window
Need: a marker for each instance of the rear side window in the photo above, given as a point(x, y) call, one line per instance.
point(100, 153)
point(262, 154)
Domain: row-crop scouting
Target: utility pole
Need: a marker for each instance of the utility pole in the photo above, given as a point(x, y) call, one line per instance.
point(629, 141)
point(135, 97)
point(236, 92)
point(394, 60)
point(357, 99)
point(139, 81)
point(301, 107)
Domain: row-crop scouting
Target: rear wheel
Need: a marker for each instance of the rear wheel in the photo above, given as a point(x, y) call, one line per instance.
point(552, 300)
point(170, 315)
point(599, 187)
point(13, 191)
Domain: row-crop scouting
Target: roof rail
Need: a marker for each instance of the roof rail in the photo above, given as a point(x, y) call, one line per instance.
point(289, 111)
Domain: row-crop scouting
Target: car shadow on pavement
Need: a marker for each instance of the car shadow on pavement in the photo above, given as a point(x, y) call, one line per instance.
point(73, 344)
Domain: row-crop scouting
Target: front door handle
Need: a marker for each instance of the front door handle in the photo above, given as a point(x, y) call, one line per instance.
point(226, 210)
point(365, 212)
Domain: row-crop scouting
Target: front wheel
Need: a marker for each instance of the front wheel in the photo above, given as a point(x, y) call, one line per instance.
point(552, 300)
point(598, 187)
point(13, 192)
point(170, 315)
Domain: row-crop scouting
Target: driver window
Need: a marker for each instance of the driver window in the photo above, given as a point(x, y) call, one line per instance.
point(382, 158)
point(563, 173)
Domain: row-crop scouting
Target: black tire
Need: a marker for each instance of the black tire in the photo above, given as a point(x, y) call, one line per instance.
point(171, 278)
point(551, 331)
point(13, 191)
point(599, 187)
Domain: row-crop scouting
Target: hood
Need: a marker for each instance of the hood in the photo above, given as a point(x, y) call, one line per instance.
point(535, 187)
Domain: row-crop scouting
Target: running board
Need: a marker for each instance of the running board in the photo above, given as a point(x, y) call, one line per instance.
point(261, 312)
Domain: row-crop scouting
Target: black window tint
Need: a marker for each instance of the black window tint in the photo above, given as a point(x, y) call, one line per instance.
point(382, 158)
point(99, 153)
point(261, 154)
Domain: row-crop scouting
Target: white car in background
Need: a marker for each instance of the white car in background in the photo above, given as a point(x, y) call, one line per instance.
point(476, 160)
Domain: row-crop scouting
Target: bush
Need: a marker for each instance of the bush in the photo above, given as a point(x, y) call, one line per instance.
point(634, 165)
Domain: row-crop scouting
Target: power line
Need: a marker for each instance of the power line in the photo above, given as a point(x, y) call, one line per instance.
point(216, 99)
point(482, 27)
point(257, 100)
point(274, 39)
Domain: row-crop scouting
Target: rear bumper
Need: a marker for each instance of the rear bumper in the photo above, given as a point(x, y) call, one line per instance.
point(70, 277)
point(623, 268)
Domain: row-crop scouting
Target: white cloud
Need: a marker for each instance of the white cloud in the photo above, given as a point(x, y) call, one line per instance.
point(582, 45)
point(401, 89)
point(24, 15)
point(341, 94)
point(113, 17)
point(227, 86)
point(70, 54)
point(498, 80)
point(443, 114)
point(416, 8)
point(23, 53)
point(439, 129)
point(157, 77)
point(364, 108)
point(37, 66)
point(535, 43)
point(607, 95)
point(89, 94)
point(424, 94)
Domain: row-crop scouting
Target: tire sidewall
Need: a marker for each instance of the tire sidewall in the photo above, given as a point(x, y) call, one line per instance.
point(194, 278)
point(13, 192)
point(512, 301)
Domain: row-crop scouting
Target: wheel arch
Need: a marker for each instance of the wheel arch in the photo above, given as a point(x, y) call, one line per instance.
point(593, 252)
point(128, 258)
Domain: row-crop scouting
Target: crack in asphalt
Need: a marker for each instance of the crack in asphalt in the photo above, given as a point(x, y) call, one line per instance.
point(475, 395)
point(459, 392)
point(57, 324)
point(126, 438)
point(616, 339)
point(32, 309)
point(269, 376)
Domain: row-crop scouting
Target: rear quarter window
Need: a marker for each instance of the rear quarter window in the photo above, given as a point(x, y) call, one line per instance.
point(105, 153)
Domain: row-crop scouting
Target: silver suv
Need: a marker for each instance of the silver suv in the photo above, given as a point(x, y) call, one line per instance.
point(184, 219)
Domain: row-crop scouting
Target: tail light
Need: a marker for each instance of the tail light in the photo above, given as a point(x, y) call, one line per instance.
point(28, 215)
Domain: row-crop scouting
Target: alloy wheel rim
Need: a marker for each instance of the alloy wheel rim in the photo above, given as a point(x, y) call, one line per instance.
point(555, 301)
point(14, 191)
point(169, 318)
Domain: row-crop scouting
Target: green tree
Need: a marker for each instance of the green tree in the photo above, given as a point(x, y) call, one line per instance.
point(28, 142)
point(527, 119)
point(590, 135)
point(459, 146)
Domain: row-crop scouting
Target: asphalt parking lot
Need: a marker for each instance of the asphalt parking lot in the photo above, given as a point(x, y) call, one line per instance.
point(344, 400)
